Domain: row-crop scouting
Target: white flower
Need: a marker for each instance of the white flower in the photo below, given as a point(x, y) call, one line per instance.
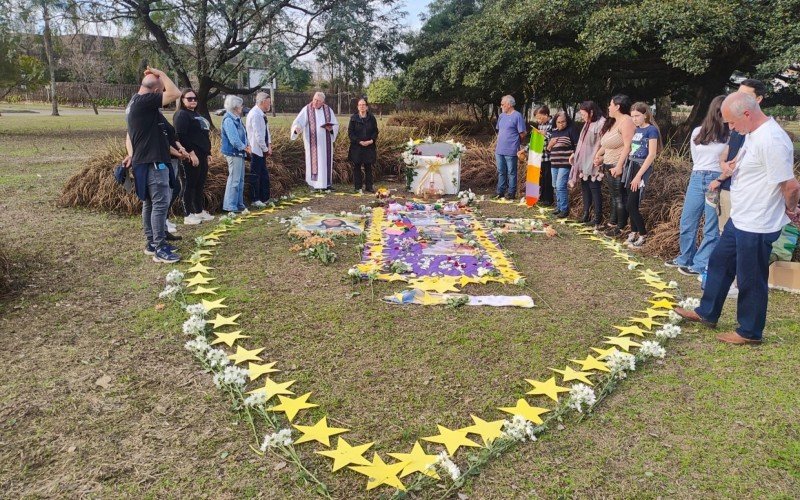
point(619, 362)
point(668, 331)
point(257, 399)
point(429, 139)
point(217, 358)
point(482, 271)
point(690, 303)
point(231, 375)
point(281, 438)
point(196, 310)
point(174, 277)
point(304, 212)
point(580, 395)
point(195, 325)
point(447, 465)
point(653, 349)
point(354, 272)
point(198, 346)
point(672, 284)
point(169, 292)
point(631, 266)
point(519, 429)
point(674, 317)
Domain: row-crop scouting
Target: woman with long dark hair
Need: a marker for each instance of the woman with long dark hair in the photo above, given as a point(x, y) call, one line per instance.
point(363, 132)
point(615, 145)
point(709, 147)
point(645, 145)
point(193, 133)
point(583, 167)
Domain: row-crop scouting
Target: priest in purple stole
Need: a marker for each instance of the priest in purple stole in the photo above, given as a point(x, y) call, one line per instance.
point(319, 126)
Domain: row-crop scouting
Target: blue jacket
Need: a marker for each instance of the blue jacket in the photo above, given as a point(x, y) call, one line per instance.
point(234, 135)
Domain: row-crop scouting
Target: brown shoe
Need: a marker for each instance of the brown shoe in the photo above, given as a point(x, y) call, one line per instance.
point(690, 315)
point(735, 338)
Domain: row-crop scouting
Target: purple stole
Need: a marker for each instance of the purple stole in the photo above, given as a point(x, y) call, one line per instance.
point(312, 137)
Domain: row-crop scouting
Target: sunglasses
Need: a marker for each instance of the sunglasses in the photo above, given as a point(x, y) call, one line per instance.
point(191, 99)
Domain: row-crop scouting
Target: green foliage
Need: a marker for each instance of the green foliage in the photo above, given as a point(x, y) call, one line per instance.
point(383, 91)
point(17, 70)
point(780, 111)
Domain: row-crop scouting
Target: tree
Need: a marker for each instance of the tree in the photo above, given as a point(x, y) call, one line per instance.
point(382, 92)
point(17, 70)
point(210, 41)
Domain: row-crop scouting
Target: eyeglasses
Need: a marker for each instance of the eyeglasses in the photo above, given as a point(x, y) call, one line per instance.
point(191, 99)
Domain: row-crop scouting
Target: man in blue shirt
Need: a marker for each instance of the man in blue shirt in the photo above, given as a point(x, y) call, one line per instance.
point(511, 129)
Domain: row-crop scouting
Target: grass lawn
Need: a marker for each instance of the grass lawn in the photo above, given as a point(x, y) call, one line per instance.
point(710, 421)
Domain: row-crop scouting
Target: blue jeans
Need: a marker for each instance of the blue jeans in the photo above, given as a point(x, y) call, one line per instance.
point(694, 206)
point(560, 178)
point(156, 205)
point(234, 188)
point(744, 256)
point(506, 175)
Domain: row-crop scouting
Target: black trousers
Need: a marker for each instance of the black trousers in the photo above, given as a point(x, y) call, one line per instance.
point(259, 179)
point(592, 199)
point(193, 193)
point(366, 178)
point(619, 198)
point(546, 192)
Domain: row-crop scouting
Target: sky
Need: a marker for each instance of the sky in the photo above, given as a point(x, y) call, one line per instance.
point(414, 9)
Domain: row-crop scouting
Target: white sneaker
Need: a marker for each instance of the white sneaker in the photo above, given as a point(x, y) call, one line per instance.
point(631, 237)
point(734, 290)
point(259, 204)
point(205, 216)
point(245, 212)
point(171, 227)
point(192, 220)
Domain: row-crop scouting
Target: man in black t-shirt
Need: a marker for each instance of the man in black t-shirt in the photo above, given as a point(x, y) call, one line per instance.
point(149, 157)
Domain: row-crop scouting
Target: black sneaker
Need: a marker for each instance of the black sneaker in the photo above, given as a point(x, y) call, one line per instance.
point(173, 237)
point(613, 232)
point(671, 263)
point(686, 271)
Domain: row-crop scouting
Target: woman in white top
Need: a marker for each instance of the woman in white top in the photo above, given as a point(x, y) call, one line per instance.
point(709, 147)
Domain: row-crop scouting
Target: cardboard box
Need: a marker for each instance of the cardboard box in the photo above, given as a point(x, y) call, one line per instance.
point(785, 276)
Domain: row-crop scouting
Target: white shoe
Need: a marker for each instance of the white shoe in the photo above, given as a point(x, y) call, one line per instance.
point(171, 227)
point(245, 211)
point(631, 237)
point(192, 220)
point(205, 216)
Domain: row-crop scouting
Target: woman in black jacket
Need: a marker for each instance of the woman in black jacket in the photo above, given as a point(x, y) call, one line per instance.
point(193, 133)
point(363, 132)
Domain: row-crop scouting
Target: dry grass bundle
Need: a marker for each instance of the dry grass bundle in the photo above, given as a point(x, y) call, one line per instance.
point(478, 168)
point(439, 124)
point(95, 187)
point(5, 272)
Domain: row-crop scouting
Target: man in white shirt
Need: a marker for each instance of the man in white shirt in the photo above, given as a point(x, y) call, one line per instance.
point(260, 146)
point(764, 198)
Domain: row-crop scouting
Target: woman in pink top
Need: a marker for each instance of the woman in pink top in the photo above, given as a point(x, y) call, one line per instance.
point(615, 146)
point(582, 161)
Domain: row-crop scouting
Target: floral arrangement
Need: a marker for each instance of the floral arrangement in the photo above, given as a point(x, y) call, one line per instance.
point(466, 198)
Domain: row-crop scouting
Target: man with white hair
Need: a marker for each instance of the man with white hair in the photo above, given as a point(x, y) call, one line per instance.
point(260, 146)
point(511, 129)
point(319, 126)
point(764, 198)
point(149, 156)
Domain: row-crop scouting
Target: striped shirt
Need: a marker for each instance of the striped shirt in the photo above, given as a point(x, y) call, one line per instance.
point(545, 130)
point(564, 147)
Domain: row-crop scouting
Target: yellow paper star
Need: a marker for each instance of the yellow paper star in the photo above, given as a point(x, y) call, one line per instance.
point(625, 343)
point(591, 363)
point(645, 322)
point(255, 370)
point(229, 338)
point(417, 461)
point(319, 432)
point(547, 388)
point(198, 260)
point(344, 454)
point(655, 313)
point(272, 388)
point(488, 431)
point(661, 286)
point(451, 439)
point(204, 252)
point(199, 268)
point(210, 305)
point(221, 320)
point(392, 277)
point(292, 406)
point(380, 473)
point(526, 411)
point(243, 355)
point(211, 243)
point(199, 279)
point(604, 353)
point(465, 280)
point(663, 304)
point(201, 290)
point(663, 295)
point(630, 330)
point(568, 374)
point(212, 236)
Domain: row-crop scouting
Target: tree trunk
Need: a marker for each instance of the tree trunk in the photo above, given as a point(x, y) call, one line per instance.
point(51, 65)
point(85, 89)
point(708, 88)
point(203, 92)
point(664, 116)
